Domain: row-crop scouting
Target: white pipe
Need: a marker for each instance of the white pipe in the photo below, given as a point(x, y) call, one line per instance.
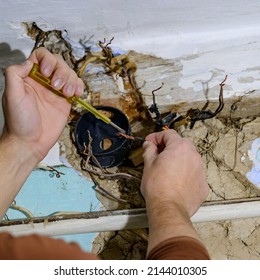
point(120, 220)
point(131, 219)
point(239, 210)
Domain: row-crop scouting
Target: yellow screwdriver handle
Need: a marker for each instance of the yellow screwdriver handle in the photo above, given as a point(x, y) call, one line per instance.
point(46, 82)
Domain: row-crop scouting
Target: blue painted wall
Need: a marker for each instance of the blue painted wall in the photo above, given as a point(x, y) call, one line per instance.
point(43, 193)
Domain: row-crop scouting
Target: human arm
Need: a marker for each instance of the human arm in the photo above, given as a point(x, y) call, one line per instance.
point(36, 247)
point(174, 186)
point(34, 118)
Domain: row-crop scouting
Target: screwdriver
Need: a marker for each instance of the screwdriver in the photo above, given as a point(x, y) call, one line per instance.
point(36, 75)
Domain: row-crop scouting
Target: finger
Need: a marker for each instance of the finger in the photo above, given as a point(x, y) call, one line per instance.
point(66, 80)
point(80, 87)
point(51, 65)
point(150, 152)
point(62, 76)
point(46, 60)
point(70, 84)
point(163, 138)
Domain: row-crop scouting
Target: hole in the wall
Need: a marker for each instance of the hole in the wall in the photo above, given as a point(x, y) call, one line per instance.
point(110, 115)
point(106, 144)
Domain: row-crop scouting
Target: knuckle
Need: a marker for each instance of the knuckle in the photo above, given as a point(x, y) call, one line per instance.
point(58, 57)
point(42, 49)
point(9, 69)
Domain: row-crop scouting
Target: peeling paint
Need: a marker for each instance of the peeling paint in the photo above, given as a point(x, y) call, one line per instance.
point(52, 158)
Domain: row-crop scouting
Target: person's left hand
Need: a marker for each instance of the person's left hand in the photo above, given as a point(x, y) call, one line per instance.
point(34, 116)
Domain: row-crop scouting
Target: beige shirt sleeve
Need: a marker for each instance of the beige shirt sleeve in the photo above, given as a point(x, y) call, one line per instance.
point(179, 248)
point(36, 247)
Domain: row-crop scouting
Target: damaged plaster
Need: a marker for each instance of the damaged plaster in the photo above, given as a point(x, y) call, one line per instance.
point(207, 40)
point(191, 48)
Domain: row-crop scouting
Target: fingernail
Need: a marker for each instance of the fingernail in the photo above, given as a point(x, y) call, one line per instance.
point(69, 90)
point(79, 90)
point(145, 144)
point(57, 83)
point(47, 71)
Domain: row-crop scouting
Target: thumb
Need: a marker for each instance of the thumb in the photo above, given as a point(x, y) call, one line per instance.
point(15, 75)
point(150, 152)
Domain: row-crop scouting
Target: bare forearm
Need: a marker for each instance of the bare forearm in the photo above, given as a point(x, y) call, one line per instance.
point(167, 220)
point(16, 164)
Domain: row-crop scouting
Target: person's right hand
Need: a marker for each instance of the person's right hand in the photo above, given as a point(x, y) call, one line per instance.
point(173, 172)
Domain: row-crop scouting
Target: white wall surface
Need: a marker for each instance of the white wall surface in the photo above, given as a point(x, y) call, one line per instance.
point(211, 38)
